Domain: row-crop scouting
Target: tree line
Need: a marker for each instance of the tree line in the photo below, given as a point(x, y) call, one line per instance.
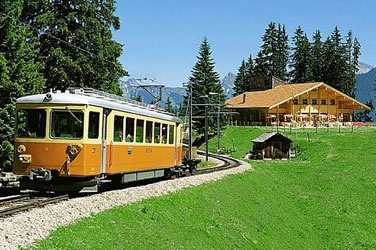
point(333, 61)
point(54, 45)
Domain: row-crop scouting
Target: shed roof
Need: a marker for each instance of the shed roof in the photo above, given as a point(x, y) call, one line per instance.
point(271, 98)
point(266, 136)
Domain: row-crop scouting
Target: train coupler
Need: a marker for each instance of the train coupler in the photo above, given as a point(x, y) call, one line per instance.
point(40, 174)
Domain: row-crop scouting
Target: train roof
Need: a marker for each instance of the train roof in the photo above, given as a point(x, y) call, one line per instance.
point(99, 99)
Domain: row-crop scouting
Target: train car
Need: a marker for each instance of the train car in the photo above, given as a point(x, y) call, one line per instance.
point(80, 138)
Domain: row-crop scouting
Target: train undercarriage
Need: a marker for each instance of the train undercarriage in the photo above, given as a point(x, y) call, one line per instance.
point(42, 179)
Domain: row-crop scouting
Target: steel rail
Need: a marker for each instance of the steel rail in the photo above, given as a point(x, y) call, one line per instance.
point(13, 198)
point(32, 203)
point(228, 163)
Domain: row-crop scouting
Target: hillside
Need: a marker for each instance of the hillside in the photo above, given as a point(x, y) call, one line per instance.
point(322, 199)
point(364, 68)
point(365, 88)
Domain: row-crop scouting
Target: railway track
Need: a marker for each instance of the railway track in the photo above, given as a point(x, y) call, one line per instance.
point(19, 203)
point(227, 163)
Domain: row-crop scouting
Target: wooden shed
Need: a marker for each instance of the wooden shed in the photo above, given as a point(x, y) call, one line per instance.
point(271, 146)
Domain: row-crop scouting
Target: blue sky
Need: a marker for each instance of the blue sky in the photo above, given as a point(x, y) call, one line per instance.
point(161, 37)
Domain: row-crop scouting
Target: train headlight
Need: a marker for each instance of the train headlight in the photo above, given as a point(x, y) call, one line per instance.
point(48, 97)
point(25, 159)
point(21, 149)
point(73, 151)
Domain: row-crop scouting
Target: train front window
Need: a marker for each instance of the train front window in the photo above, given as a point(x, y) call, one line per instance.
point(67, 124)
point(31, 123)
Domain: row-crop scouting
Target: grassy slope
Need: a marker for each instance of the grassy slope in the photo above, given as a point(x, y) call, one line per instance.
point(323, 198)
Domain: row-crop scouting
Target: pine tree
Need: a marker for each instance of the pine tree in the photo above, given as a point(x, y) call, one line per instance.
point(352, 55)
point(19, 73)
point(272, 58)
point(266, 58)
point(87, 25)
point(282, 56)
point(335, 61)
point(250, 71)
point(316, 58)
point(300, 58)
point(204, 80)
point(169, 107)
point(241, 80)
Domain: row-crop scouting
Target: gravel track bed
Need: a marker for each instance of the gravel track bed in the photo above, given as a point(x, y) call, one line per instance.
point(21, 230)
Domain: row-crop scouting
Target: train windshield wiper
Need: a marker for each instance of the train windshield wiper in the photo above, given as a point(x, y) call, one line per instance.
point(75, 117)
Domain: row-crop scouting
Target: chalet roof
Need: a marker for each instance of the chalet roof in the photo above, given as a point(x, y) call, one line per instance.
point(271, 98)
point(266, 136)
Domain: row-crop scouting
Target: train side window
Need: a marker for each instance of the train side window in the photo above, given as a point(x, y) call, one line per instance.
point(149, 132)
point(164, 133)
point(93, 125)
point(129, 129)
point(140, 131)
point(171, 134)
point(157, 132)
point(181, 135)
point(118, 128)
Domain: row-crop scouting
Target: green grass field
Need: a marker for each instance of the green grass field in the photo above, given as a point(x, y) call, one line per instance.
point(324, 198)
point(206, 164)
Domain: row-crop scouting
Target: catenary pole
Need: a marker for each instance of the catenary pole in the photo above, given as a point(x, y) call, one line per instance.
point(190, 119)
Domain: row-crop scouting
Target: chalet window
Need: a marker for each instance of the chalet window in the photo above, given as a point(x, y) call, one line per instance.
point(164, 133)
point(305, 101)
point(346, 117)
point(171, 134)
point(118, 128)
point(149, 132)
point(140, 131)
point(332, 102)
point(129, 129)
point(157, 132)
point(296, 101)
point(314, 101)
point(323, 101)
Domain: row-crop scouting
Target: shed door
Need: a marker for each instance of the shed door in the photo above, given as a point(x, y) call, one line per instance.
point(277, 150)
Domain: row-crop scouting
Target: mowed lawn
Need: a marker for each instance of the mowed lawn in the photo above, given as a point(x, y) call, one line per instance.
point(324, 198)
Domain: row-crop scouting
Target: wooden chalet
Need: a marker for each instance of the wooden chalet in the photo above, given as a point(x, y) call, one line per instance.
point(313, 103)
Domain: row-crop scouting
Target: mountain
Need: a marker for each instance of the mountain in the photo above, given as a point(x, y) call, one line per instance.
point(365, 88)
point(364, 68)
point(228, 85)
point(131, 89)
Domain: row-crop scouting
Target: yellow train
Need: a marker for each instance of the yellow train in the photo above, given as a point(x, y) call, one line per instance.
point(80, 138)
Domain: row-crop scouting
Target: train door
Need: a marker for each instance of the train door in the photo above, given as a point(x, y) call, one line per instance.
point(106, 112)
